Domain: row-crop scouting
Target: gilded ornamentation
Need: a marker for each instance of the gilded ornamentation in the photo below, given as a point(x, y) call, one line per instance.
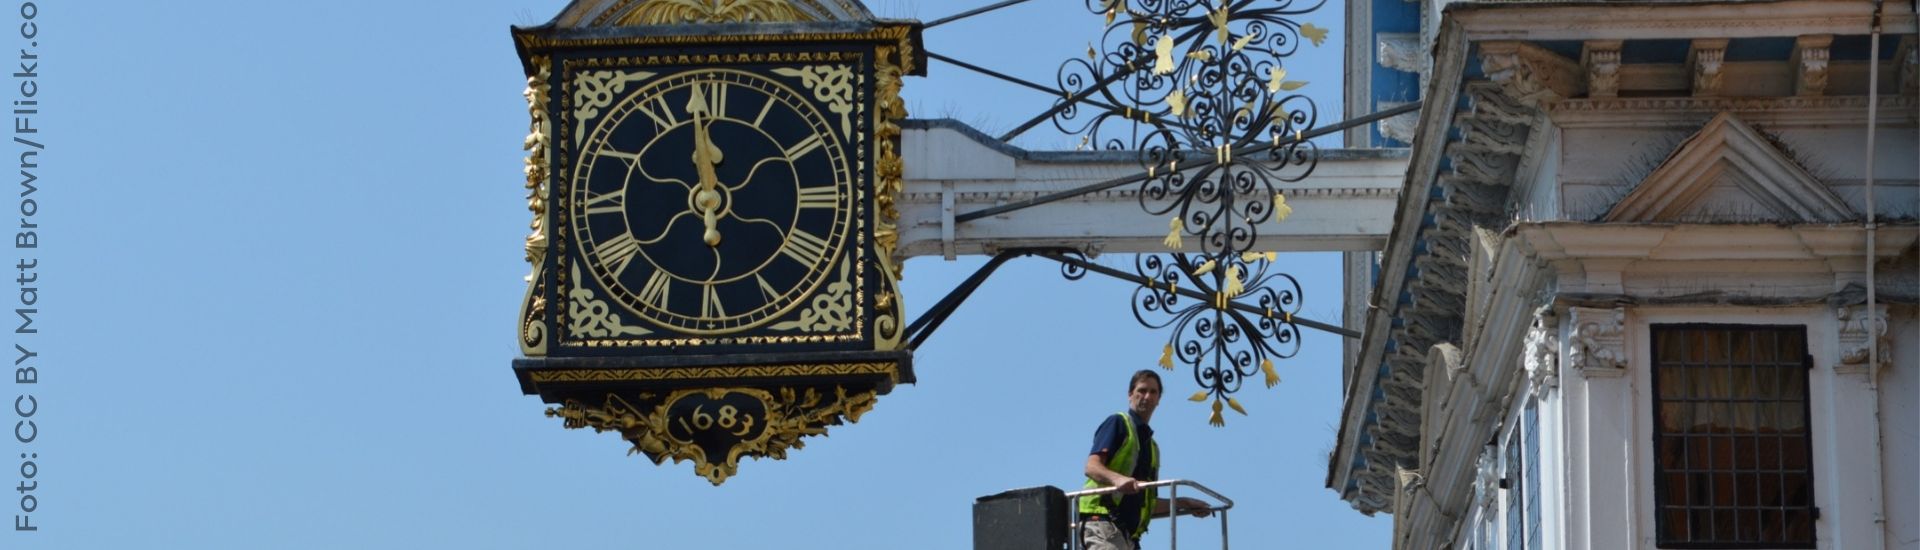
point(830, 311)
point(1596, 347)
point(533, 41)
point(1859, 329)
point(593, 90)
point(674, 12)
point(830, 84)
point(889, 64)
point(533, 322)
point(770, 423)
point(589, 316)
point(712, 373)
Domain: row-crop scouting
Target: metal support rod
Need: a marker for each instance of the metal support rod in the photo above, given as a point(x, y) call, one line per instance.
point(1174, 123)
point(1125, 71)
point(1143, 176)
point(970, 13)
point(921, 328)
point(1197, 295)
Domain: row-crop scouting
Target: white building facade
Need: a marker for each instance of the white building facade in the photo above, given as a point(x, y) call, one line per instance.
point(1652, 277)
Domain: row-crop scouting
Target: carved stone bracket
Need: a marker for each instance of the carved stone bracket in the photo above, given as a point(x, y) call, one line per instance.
point(1486, 482)
point(1859, 329)
point(1810, 55)
point(1531, 74)
point(1602, 58)
point(1705, 62)
point(1597, 345)
point(1399, 127)
point(1401, 51)
point(1543, 352)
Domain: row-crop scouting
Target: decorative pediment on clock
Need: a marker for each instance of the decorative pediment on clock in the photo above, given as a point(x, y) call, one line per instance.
point(1729, 172)
point(628, 13)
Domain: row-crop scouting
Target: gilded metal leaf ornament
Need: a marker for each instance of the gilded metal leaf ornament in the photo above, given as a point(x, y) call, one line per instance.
point(1191, 85)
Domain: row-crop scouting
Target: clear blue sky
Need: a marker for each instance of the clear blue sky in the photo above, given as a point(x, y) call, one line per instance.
point(281, 260)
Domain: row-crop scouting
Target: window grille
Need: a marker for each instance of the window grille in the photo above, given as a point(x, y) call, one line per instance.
point(1731, 437)
point(1530, 424)
point(1516, 494)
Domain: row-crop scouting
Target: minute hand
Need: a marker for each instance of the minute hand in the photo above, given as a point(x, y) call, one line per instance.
point(705, 156)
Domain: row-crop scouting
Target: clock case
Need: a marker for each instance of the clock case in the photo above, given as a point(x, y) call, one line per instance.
point(567, 361)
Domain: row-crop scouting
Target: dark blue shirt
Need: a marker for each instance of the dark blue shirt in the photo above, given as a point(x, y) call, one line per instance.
point(1108, 439)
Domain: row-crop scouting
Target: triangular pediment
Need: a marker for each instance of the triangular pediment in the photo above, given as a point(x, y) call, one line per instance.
point(1729, 172)
point(629, 13)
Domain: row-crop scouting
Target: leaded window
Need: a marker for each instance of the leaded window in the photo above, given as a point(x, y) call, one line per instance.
point(1516, 495)
point(1731, 437)
point(1530, 424)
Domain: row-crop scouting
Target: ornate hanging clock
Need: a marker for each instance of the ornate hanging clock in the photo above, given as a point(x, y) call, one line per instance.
point(712, 187)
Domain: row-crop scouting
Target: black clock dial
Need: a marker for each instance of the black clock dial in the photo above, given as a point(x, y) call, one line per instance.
point(713, 201)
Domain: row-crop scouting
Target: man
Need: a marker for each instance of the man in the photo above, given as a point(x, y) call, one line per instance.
point(1125, 456)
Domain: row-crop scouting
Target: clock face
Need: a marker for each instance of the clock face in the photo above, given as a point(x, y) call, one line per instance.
point(712, 201)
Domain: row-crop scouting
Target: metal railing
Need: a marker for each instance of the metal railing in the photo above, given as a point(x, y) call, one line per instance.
point(1173, 509)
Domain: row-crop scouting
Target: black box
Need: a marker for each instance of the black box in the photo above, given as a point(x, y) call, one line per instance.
point(1034, 518)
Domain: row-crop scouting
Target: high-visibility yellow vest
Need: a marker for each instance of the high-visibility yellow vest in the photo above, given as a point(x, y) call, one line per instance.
point(1122, 462)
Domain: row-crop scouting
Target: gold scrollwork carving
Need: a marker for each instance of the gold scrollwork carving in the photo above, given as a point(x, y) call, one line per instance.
point(715, 373)
point(533, 322)
point(830, 311)
point(785, 416)
point(831, 84)
point(595, 89)
point(589, 316)
point(890, 63)
point(673, 12)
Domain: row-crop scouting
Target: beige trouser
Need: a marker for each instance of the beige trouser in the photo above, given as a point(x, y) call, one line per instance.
point(1103, 535)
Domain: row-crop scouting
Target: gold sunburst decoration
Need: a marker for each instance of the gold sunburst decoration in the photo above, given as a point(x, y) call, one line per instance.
point(673, 12)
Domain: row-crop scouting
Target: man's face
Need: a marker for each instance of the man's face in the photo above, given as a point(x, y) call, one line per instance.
point(1144, 397)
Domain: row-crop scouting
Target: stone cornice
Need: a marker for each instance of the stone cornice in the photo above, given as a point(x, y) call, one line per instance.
point(1687, 112)
point(1700, 243)
point(1667, 20)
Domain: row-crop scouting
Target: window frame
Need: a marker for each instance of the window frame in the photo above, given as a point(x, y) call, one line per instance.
point(1658, 433)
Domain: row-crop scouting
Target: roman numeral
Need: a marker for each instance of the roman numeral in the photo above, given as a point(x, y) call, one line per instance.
point(710, 303)
point(764, 109)
point(805, 247)
point(658, 110)
point(766, 289)
point(617, 252)
point(805, 146)
point(655, 293)
point(615, 202)
point(716, 98)
point(629, 157)
point(819, 197)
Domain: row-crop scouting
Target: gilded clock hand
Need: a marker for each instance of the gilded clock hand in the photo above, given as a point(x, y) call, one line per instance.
point(705, 156)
